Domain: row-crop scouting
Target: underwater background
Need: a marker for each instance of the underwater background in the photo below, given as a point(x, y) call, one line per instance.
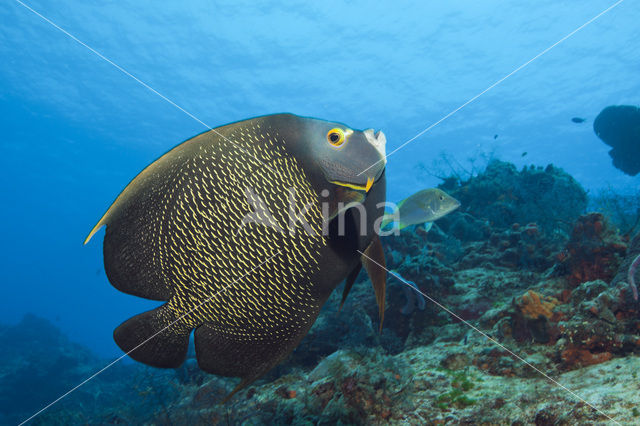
point(536, 257)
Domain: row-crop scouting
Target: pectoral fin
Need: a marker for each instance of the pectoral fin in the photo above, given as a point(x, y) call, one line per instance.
point(351, 278)
point(343, 200)
point(374, 263)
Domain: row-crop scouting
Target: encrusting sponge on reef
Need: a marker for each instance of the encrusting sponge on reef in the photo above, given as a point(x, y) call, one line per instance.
point(533, 305)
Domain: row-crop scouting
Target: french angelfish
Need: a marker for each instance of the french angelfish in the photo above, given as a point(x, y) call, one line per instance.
point(238, 230)
point(424, 206)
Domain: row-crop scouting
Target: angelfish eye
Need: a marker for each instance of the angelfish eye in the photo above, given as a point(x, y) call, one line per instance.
point(335, 137)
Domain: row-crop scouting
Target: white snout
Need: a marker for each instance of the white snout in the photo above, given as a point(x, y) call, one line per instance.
point(378, 140)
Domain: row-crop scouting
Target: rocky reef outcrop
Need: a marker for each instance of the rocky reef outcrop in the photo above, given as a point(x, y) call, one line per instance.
point(523, 291)
point(38, 364)
point(502, 196)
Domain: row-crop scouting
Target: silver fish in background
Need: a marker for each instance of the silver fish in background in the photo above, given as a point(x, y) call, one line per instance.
point(424, 206)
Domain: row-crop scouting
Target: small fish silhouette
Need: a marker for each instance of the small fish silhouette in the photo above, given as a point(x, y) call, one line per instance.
point(578, 119)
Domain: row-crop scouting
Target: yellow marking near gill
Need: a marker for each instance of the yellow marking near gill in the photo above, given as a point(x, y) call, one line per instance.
point(366, 187)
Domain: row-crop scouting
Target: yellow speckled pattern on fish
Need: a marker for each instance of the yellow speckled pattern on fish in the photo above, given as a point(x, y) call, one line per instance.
point(208, 247)
point(199, 244)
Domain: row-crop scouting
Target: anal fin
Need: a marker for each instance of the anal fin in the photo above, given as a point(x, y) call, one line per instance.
point(375, 265)
point(154, 338)
point(224, 354)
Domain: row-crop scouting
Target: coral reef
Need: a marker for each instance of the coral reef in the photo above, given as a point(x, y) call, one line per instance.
point(629, 266)
point(503, 196)
point(594, 251)
point(621, 209)
point(412, 293)
point(38, 364)
point(533, 306)
point(546, 285)
point(631, 276)
point(599, 322)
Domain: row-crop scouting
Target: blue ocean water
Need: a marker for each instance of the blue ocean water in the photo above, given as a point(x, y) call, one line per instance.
point(76, 129)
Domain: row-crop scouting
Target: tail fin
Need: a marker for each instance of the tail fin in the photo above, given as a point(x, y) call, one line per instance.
point(154, 338)
point(386, 220)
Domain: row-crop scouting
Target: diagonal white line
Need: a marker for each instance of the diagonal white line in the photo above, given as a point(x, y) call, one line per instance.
point(450, 312)
point(391, 153)
point(494, 84)
point(124, 71)
point(154, 335)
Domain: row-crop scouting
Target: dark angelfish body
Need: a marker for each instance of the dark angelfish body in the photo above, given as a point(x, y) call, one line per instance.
point(251, 289)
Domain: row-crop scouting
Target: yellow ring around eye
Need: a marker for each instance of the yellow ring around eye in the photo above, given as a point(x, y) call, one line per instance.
point(336, 137)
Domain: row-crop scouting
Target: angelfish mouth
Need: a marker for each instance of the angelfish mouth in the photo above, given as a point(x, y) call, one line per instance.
point(366, 187)
point(378, 140)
